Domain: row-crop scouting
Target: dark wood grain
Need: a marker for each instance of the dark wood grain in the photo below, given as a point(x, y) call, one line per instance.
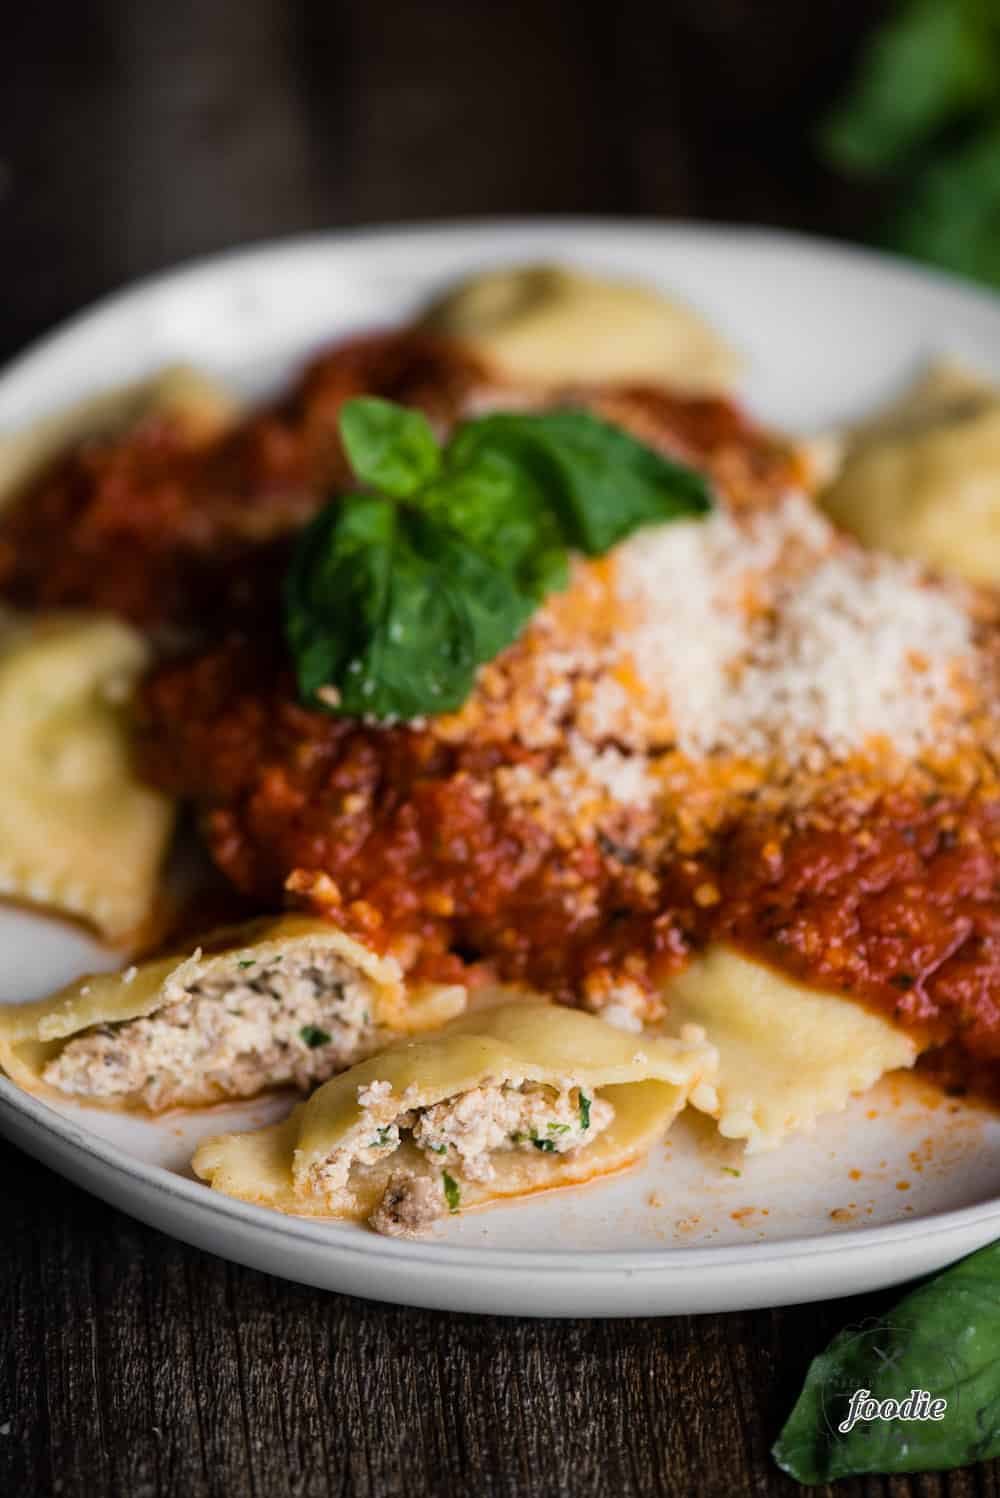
point(136, 1365)
point(134, 134)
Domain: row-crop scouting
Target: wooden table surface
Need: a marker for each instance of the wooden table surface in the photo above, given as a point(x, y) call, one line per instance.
point(134, 134)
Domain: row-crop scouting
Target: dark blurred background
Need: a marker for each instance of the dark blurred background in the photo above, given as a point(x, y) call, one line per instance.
point(136, 133)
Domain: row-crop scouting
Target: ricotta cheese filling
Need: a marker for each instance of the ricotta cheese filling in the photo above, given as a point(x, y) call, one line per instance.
point(460, 1135)
point(296, 1019)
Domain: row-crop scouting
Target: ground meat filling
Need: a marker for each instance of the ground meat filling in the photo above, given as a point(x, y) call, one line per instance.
point(410, 1205)
point(467, 1130)
point(297, 1019)
point(458, 1137)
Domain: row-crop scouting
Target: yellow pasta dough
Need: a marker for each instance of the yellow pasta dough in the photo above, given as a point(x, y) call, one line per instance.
point(202, 406)
point(505, 1102)
point(78, 831)
point(546, 324)
point(787, 1053)
point(923, 478)
point(280, 1001)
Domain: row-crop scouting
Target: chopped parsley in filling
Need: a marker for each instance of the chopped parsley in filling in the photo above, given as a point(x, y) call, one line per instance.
point(459, 1139)
point(471, 1128)
point(295, 1019)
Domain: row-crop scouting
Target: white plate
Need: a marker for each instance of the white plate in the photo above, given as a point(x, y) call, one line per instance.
point(912, 1179)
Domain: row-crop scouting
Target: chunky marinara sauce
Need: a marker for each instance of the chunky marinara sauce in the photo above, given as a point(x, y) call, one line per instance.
point(405, 831)
point(899, 905)
point(398, 820)
point(172, 533)
point(184, 536)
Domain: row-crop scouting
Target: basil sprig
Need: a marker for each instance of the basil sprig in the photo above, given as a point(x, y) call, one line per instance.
point(943, 1339)
point(921, 122)
point(397, 594)
point(601, 482)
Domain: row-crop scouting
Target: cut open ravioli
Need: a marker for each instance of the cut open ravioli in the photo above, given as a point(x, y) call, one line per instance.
point(278, 1002)
point(507, 1102)
point(787, 1053)
point(78, 831)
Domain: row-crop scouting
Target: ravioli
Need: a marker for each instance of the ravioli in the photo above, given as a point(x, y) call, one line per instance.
point(282, 1001)
point(508, 1101)
point(923, 478)
point(78, 831)
point(787, 1053)
point(202, 406)
point(544, 324)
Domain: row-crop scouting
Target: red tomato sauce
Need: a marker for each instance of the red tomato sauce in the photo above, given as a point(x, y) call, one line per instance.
point(166, 532)
point(179, 536)
point(898, 907)
point(902, 909)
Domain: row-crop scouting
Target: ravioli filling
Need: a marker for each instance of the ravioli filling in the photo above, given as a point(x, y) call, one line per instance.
point(459, 1139)
point(294, 1019)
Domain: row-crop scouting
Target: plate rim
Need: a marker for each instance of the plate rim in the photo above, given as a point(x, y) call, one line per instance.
point(474, 226)
point(347, 1239)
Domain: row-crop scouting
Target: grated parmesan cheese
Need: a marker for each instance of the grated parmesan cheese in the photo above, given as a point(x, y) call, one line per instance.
point(782, 639)
point(756, 644)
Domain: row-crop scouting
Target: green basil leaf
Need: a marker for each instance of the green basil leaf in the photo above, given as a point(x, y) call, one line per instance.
point(390, 607)
point(499, 509)
point(389, 447)
point(943, 1338)
point(394, 610)
point(601, 483)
